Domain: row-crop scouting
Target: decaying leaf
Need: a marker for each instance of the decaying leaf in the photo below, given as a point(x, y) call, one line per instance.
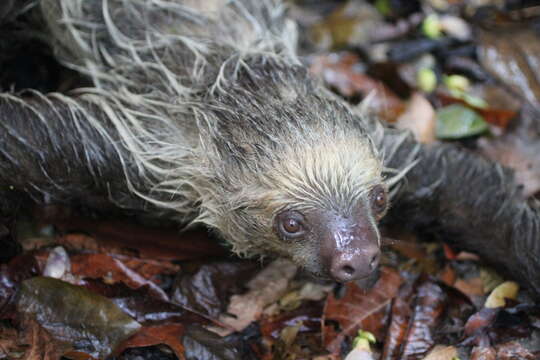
point(420, 312)
point(483, 353)
point(426, 316)
point(103, 266)
point(208, 289)
point(168, 334)
point(495, 326)
point(513, 56)
point(440, 352)
point(482, 319)
point(30, 342)
point(74, 315)
point(514, 350)
point(448, 275)
point(309, 316)
point(11, 275)
point(143, 305)
point(349, 24)
point(399, 322)
point(340, 72)
point(360, 309)
point(473, 286)
point(200, 343)
point(419, 117)
point(267, 287)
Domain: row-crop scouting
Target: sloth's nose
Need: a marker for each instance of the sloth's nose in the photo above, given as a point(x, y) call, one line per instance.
point(354, 265)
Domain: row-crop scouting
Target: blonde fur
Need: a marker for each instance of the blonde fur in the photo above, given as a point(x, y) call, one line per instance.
point(215, 112)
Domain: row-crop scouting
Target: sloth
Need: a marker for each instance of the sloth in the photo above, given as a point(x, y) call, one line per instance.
point(201, 110)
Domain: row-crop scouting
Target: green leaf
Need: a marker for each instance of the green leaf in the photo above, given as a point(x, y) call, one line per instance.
point(426, 80)
point(457, 82)
point(431, 26)
point(457, 121)
point(384, 7)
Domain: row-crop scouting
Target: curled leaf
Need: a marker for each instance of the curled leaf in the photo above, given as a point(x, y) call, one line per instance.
point(507, 290)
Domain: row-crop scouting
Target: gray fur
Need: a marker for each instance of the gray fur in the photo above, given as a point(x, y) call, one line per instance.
point(204, 109)
point(208, 113)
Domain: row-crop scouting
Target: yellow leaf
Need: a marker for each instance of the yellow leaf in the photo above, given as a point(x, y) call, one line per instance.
point(507, 290)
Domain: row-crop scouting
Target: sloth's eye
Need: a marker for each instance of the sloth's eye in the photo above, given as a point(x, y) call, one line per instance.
point(290, 224)
point(379, 201)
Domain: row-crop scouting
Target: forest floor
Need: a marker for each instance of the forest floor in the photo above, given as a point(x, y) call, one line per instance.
point(77, 286)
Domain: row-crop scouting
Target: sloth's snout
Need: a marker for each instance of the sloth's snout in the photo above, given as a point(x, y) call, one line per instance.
point(349, 247)
point(355, 264)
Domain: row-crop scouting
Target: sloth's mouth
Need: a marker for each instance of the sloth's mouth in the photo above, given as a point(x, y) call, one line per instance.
point(365, 282)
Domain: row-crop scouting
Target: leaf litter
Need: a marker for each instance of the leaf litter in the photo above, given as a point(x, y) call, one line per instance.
point(118, 290)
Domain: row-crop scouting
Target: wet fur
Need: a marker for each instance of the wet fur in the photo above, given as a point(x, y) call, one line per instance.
point(207, 112)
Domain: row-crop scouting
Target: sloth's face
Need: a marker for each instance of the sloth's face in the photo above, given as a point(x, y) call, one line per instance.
point(343, 246)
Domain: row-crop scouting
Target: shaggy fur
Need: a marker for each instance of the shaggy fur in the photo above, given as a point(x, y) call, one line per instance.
point(206, 111)
point(209, 114)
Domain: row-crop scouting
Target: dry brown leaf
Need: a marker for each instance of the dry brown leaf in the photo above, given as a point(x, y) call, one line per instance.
point(441, 352)
point(340, 73)
point(471, 287)
point(400, 315)
point(448, 275)
point(359, 309)
point(350, 24)
point(512, 56)
point(483, 353)
point(426, 316)
point(467, 256)
point(103, 266)
point(514, 350)
point(149, 268)
point(419, 117)
point(265, 288)
point(32, 342)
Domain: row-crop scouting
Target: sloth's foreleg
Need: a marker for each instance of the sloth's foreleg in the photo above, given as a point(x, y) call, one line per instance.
point(471, 203)
point(59, 149)
point(50, 150)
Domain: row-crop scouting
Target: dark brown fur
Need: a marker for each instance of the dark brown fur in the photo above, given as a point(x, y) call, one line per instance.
point(245, 142)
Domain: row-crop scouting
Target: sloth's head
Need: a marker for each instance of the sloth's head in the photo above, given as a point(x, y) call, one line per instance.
point(293, 173)
point(315, 203)
point(309, 189)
